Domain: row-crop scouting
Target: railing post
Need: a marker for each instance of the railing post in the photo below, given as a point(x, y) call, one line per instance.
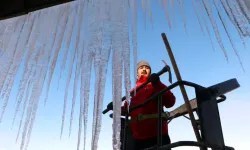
point(159, 134)
point(211, 130)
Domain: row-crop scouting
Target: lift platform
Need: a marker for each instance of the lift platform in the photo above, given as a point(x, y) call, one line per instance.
point(205, 105)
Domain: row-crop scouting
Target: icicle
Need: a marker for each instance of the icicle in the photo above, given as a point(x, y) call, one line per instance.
point(77, 75)
point(79, 53)
point(228, 35)
point(6, 59)
point(100, 69)
point(35, 106)
point(41, 36)
point(171, 5)
point(85, 78)
point(19, 99)
point(30, 106)
point(247, 2)
point(229, 15)
point(149, 12)
point(85, 86)
point(230, 9)
point(144, 11)
point(197, 15)
point(117, 40)
point(9, 26)
point(30, 46)
point(244, 25)
point(22, 45)
point(80, 56)
point(96, 47)
point(67, 36)
point(116, 76)
point(24, 106)
point(41, 70)
point(204, 20)
point(166, 13)
point(209, 13)
point(11, 50)
point(37, 88)
point(183, 16)
point(73, 25)
point(133, 12)
point(72, 59)
point(244, 10)
point(126, 60)
point(59, 36)
point(2, 32)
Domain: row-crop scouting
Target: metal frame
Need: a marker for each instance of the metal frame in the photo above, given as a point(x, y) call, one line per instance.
point(212, 135)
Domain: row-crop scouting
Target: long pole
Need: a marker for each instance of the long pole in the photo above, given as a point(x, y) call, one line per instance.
point(183, 91)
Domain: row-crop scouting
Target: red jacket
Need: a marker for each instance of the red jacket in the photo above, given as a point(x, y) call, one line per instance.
point(148, 127)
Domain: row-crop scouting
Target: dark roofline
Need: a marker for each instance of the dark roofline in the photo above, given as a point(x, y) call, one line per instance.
point(14, 8)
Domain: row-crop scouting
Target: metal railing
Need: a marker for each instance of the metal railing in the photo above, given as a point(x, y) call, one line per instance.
point(214, 91)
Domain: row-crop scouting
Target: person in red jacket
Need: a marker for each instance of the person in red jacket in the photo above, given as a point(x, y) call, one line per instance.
point(144, 130)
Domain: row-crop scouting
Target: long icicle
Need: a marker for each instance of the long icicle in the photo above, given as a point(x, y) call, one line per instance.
point(5, 60)
point(126, 59)
point(244, 9)
point(166, 13)
point(228, 13)
point(56, 48)
point(228, 35)
point(198, 18)
point(68, 36)
point(30, 52)
point(21, 45)
point(79, 53)
point(11, 69)
point(214, 25)
point(243, 22)
point(24, 106)
point(41, 60)
point(183, 16)
point(133, 16)
point(204, 20)
point(230, 9)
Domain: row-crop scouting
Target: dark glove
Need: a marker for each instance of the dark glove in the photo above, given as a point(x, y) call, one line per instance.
point(110, 106)
point(154, 78)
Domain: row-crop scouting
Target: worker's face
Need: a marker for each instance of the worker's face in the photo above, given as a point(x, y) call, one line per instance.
point(143, 70)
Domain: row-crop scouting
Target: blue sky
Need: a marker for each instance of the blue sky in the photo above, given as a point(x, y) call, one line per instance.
point(197, 63)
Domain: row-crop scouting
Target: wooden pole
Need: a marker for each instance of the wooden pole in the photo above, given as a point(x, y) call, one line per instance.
point(183, 91)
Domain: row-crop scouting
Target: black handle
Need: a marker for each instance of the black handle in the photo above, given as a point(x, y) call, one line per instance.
point(110, 105)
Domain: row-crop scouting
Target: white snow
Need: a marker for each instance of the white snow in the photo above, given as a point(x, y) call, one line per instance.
point(86, 32)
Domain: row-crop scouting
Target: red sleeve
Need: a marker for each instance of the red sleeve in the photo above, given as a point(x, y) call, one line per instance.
point(168, 98)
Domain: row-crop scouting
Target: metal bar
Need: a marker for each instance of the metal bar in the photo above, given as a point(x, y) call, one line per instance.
point(233, 85)
point(124, 146)
point(164, 90)
point(159, 134)
point(211, 129)
point(189, 143)
point(182, 110)
point(182, 88)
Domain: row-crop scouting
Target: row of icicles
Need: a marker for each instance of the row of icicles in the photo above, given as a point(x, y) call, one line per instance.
point(42, 39)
